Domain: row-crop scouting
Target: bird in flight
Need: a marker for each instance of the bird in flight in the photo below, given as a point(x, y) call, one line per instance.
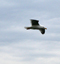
point(35, 25)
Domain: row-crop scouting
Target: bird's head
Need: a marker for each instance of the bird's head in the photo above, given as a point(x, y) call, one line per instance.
point(46, 28)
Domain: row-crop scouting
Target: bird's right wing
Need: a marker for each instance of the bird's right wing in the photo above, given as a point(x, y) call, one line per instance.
point(34, 22)
point(42, 31)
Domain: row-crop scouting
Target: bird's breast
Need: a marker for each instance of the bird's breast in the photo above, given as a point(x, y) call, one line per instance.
point(36, 27)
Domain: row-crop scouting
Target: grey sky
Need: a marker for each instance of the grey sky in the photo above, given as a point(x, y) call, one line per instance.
point(19, 46)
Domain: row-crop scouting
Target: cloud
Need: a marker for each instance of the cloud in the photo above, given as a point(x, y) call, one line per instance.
point(18, 45)
point(30, 51)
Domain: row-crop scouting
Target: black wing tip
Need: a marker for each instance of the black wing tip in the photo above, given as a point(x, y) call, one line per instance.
point(34, 19)
point(43, 33)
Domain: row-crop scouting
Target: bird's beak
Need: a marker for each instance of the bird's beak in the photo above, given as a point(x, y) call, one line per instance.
point(45, 28)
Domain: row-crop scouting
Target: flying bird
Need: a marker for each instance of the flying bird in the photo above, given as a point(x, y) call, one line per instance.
point(35, 25)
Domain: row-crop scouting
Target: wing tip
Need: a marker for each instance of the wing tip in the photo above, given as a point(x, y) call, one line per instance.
point(33, 19)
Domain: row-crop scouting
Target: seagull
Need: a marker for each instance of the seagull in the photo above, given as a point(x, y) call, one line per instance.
point(35, 25)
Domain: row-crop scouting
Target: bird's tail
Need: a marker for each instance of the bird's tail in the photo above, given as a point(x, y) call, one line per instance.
point(27, 28)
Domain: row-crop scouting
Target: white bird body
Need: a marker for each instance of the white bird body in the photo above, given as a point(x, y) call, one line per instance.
point(36, 26)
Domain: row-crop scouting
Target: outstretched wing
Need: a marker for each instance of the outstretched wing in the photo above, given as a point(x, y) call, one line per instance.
point(42, 31)
point(34, 22)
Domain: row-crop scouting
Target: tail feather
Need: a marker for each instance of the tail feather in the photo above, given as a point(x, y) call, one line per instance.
point(27, 28)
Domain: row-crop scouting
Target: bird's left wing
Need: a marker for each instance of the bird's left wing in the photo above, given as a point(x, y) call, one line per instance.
point(34, 22)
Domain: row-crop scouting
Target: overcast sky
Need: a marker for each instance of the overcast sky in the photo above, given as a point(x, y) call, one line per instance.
point(19, 46)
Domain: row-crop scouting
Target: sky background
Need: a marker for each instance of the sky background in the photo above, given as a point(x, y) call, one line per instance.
point(19, 46)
